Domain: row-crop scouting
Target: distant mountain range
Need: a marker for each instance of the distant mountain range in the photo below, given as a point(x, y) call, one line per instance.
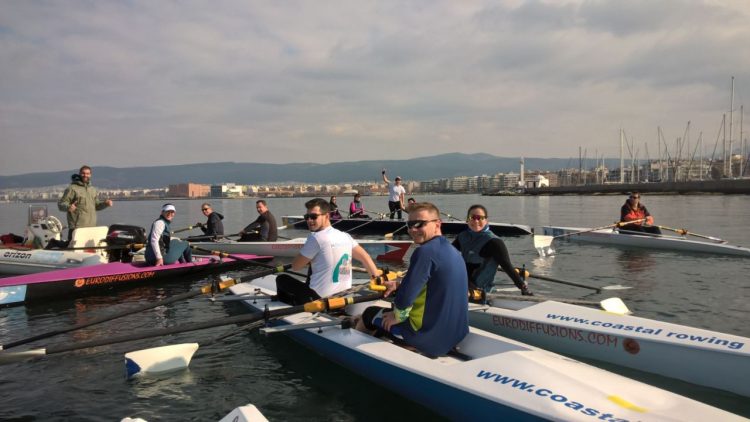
point(425, 168)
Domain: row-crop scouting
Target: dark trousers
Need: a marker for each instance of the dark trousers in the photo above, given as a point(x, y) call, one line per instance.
point(293, 291)
point(395, 207)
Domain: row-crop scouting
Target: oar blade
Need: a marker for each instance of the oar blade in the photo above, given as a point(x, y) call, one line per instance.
point(615, 305)
point(159, 359)
point(543, 245)
point(247, 413)
point(616, 287)
point(13, 357)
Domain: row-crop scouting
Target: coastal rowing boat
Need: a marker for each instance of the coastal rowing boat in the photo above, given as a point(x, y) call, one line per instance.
point(645, 240)
point(76, 281)
point(488, 377)
point(703, 357)
point(382, 227)
point(381, 250)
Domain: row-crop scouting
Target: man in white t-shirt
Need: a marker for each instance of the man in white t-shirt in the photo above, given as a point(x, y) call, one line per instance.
point(396, 194)
point(329, 253)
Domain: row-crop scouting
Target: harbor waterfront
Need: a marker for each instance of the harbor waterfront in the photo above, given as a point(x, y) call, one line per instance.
point(288, 382)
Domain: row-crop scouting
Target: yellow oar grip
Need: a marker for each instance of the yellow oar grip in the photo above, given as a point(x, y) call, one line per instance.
point(525, 274)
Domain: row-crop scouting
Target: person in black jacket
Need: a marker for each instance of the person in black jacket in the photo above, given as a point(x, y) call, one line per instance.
point(213, 227)
point(263, 229)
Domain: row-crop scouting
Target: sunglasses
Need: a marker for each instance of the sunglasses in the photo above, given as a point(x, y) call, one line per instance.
point(418, 224)
point(311, 216)
point(477, 217)
point(206, 209)
point(635, 197)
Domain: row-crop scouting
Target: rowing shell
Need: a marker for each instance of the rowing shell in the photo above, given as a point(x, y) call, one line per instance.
point(77, 281)
point(668, 242)
point(690, 354)
point(381, 227)
point(491, 378)
point(382, 250)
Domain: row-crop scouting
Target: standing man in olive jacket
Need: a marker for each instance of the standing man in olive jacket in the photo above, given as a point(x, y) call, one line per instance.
point(80, 201)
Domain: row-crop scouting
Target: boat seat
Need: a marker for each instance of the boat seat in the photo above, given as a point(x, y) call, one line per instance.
point(89, 236)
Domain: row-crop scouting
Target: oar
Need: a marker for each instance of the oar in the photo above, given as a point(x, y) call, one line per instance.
point(241, 259)
point(450, 217)
point(320, 305)
point(379, 214)
point(361, 225)
point(390, 235)
point(207, 289)
point(105, 247)
point(614, 305)
point(569, 283)
point(684, 232)
point(185, 229)
point(543, 244)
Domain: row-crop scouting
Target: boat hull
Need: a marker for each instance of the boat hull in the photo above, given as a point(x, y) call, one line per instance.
point(690, 354)
point(381, 250)
point(665, 242)
point(495, 378)
point(382, 227)
point(18, 261)
point(78, 281)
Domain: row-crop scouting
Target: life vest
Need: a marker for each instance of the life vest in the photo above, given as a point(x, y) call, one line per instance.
point(163, 240)
point(471, 243)
point(637, 214)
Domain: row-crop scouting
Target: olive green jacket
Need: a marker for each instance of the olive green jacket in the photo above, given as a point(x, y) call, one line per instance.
point(87, 204)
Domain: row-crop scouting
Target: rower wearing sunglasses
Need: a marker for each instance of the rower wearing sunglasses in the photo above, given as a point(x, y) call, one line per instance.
point(483, 252)
point(329, 252)
point(430, 309)
point(633, 210)
point(213, 228)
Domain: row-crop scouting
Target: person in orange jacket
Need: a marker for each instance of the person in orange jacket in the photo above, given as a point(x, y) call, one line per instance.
point(634, 211)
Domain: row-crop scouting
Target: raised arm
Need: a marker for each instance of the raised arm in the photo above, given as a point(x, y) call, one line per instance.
point(385, 179)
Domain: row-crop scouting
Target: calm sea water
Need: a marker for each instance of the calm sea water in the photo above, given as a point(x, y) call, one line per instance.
point(288, 382)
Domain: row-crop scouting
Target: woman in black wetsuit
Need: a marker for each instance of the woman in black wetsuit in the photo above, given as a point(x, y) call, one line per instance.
point(483, 252)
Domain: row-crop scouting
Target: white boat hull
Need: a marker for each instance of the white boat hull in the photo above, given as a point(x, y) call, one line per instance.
point(382, 250)
point(30, 261)
point(667, 242)
point(498, 378)
point(690, 354)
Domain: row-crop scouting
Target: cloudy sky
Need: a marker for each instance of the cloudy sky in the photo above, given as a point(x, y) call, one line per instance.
point(129, 83)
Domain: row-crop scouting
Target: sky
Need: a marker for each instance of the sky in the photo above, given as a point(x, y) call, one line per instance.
point(148, 83)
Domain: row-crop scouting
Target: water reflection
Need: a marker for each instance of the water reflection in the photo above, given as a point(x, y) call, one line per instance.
point(635, 261)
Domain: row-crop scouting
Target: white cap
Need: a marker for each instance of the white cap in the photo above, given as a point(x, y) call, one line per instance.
point(168, 207)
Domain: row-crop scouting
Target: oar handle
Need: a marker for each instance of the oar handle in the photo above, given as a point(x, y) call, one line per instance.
point(569, 283)
point(390, 235)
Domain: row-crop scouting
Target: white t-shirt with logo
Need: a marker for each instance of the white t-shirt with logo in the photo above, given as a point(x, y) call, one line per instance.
point(330, 251)
point(395, 191)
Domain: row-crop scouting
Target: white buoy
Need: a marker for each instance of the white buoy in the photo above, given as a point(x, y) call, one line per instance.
point(159, 359)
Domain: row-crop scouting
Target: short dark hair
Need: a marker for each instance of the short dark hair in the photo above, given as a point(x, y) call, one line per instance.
point(318, 202)
point(84, 167)
point(424, 206)
point(477, 206)
point(261, 201)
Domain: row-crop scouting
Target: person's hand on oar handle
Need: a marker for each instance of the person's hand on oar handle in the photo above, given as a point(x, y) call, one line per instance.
point(386, 281)
point(524, 287)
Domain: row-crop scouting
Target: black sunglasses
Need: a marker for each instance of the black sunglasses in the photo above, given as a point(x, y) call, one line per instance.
point(206, 209)
point(311, 216)
point(418, 224)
